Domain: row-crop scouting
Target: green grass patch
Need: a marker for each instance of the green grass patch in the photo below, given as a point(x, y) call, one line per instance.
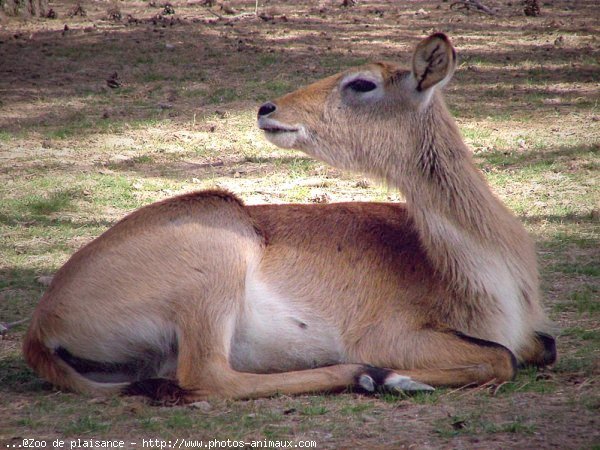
point(561, 239)
point(298, 167)
point(194, 93)
point(356, 408)
point(81, 123)
point(334, 63)
point(5, 136)
point(278, 87)
point(16, 376)
point(314, 410)
point(515, 426)
point(586, 300)
point(299, 194)
point(592, 268)
point(417, 397)
point(472, 424)
point(276, 434)
point(149, 77)
point(18, 302)
point(528, 380)
point(222, 95)
point(53, 202)
point(37, 207)
point(263, 91)
point(74, 53)
point(85, 425)
point(179, 419)
point(142, 159)
point(150, 424)
point(115, 191)
point(61, 133)
point(582, 365)
point(268, 59)
point(143, 59)
point(111, 190)
point(582, 334)
point(553, 159)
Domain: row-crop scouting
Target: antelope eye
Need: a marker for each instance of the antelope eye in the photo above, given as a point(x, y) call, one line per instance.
point(360, 85)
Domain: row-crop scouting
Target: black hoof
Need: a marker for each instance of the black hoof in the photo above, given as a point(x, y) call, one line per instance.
point(549, 355)
point(159, 390)
point(371, 379)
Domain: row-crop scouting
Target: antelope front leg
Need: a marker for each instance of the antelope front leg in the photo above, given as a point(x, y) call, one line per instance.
point(204, 372)
point(334, 378)
point(218, 380)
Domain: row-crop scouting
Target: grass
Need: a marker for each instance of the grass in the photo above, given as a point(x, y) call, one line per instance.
point(591, 268)
point(583, 334)
point(268, 59)
point(528, 379)
point(583, 301)
point(86, 425)
point(44, 205)
point(179, 420)
point(61, 186)
point(418, 398)
point(17, 375)
point(472, 424)
point(153, 76)
point(582, 366)
point(222, 95)
point(5, 136)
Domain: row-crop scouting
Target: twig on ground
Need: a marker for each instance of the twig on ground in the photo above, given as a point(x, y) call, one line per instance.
point(232, 18)
point(4, 327)
point(462, 388)
point(477, 388)
point(497, 388)
point(476, 5)
point(236, 17)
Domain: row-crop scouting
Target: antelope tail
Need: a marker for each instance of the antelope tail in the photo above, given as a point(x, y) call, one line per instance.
point(47, 363)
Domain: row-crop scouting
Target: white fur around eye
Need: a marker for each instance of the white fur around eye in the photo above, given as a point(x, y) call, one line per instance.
point(359, 97)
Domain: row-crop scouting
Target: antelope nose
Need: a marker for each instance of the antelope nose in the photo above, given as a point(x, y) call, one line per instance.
point(266, 109)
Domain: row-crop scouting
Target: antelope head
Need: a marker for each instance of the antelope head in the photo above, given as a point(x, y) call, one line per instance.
point(365, 118)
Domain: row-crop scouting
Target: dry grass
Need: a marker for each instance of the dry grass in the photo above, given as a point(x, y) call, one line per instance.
point(76, 155)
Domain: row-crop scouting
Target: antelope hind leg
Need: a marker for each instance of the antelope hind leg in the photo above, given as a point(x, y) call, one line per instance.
point(448, 358)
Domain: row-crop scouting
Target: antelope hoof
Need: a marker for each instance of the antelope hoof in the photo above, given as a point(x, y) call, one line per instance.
point(548, 355)
point(397, 382)
point(160, 391)
point(377, 379)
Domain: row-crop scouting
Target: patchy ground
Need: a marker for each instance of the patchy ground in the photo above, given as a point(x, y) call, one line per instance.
point(77, 154)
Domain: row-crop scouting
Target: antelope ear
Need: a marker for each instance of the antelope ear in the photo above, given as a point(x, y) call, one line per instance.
point(434, 61)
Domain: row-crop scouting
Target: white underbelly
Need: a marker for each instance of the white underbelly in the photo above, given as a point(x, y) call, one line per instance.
point(278, 334)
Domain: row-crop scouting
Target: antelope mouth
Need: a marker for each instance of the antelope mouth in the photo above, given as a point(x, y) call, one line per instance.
point(281, 134)
point(279, 130)
point(275, 127)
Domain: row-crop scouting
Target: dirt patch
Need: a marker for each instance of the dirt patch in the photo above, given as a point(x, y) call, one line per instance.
point(81, 146)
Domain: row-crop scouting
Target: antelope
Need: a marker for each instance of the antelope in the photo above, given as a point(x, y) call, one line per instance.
point(202, 296)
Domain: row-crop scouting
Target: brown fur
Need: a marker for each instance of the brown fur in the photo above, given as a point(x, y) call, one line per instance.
point(245, 301)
